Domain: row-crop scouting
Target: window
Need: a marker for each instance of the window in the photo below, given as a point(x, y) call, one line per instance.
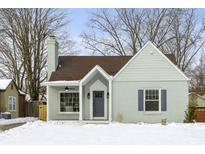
point(151, 100)
point(12, 103)
point(69, 102)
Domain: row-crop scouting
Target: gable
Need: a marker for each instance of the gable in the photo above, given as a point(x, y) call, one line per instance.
point(149, 64)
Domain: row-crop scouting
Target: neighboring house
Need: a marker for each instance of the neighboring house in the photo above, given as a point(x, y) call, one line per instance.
point(200, 99)
point(10, 98)
point(200, 106)
point(143, 88)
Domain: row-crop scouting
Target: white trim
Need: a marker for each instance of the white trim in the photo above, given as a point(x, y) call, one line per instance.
point(149, 43)
point(61, 83)
point(80, 102)
point(98, 86)
point(97, 67)
point(12, 110)
point(152, 112)
point(68, 112)
point(110, 100)
point(48, 92)
point(163, 55)
point(73, 91)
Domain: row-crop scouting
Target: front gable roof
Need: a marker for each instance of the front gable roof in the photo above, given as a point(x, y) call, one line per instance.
point(151, 64)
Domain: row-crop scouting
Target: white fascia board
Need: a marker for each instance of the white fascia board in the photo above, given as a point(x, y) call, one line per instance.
point(185, 77)
point(98, 68)
point(169, 61)
point(61, 83)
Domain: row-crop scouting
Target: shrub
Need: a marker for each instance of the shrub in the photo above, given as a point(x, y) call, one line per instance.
point(190, 114)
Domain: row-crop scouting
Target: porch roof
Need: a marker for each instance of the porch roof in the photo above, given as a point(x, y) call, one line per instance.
point(62, 83)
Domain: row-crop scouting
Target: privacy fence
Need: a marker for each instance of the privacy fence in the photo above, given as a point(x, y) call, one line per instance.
point(32, 108)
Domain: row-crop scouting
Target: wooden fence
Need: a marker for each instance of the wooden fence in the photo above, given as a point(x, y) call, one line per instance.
point(32, 108)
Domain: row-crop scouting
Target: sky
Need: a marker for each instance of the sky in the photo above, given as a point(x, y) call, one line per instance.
point(79, 17)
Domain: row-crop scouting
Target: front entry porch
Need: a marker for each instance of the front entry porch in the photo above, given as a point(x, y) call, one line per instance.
point(87, 100)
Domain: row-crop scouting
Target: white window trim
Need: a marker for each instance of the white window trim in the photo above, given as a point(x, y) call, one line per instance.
point(72, 91)
point(12, 97)
point(152, 112)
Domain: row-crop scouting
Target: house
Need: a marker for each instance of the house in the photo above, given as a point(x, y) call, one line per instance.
point(11, 100)
point(143, 88)
point(200, 106)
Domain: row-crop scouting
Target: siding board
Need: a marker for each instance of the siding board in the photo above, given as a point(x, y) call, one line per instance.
point(147, 66)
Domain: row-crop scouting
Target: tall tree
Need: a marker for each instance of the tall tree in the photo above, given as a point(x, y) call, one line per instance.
point(125, 31)
point(197, 75)
point(23, 34)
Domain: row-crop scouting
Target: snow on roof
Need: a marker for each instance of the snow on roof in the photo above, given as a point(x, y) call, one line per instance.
point(4, 83)
point(22, 93)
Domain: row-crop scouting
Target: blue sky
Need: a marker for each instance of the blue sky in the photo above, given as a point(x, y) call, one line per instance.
point(79, 17)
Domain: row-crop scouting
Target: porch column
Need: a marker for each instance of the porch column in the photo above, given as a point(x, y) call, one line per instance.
point(80, 102)
point(110, 100)
point(48, 95)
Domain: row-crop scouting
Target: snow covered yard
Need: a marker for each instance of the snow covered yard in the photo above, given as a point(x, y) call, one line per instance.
point(53, 132)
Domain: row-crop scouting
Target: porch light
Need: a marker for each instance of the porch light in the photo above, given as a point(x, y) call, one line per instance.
point(108, 95)
point(88, 95)
point(66, 88)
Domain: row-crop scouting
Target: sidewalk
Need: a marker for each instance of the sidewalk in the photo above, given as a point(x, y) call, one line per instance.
point(9, 126)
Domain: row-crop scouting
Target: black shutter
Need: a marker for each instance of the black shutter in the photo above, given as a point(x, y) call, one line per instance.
point(141, 100)
point(163, 100)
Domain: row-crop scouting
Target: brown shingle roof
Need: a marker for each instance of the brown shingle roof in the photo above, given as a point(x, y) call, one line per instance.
point(76, 67)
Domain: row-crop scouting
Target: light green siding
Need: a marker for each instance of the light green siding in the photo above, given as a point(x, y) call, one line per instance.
point(125, 101)
point(149, 65)
point(149, 70)
point(54, 105)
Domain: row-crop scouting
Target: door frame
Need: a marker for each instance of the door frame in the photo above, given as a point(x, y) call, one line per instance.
point(98, 86)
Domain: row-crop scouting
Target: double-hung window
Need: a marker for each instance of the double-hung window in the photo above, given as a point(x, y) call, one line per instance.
point(12, 103)
point(69, 102)
point(152, 100)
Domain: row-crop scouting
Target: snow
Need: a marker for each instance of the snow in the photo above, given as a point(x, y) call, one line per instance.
point(22, 93)
point(61, 132)
point(16, 120)
point(4, 83)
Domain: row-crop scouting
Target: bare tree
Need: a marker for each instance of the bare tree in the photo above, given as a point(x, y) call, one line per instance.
point(198, 76)
point(23, 49)
point(187, 31)
point(125, 31)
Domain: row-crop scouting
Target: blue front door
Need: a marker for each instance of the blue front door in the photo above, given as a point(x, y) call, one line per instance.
point(98, 103)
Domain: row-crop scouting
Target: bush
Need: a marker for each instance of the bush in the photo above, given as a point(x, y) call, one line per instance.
point(190, 114)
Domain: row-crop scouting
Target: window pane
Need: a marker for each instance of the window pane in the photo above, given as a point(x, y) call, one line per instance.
point(152, 106)
point(71, 102)
point(151, 94)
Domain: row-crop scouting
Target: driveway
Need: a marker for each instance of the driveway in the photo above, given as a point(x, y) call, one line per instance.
point(9, 126)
